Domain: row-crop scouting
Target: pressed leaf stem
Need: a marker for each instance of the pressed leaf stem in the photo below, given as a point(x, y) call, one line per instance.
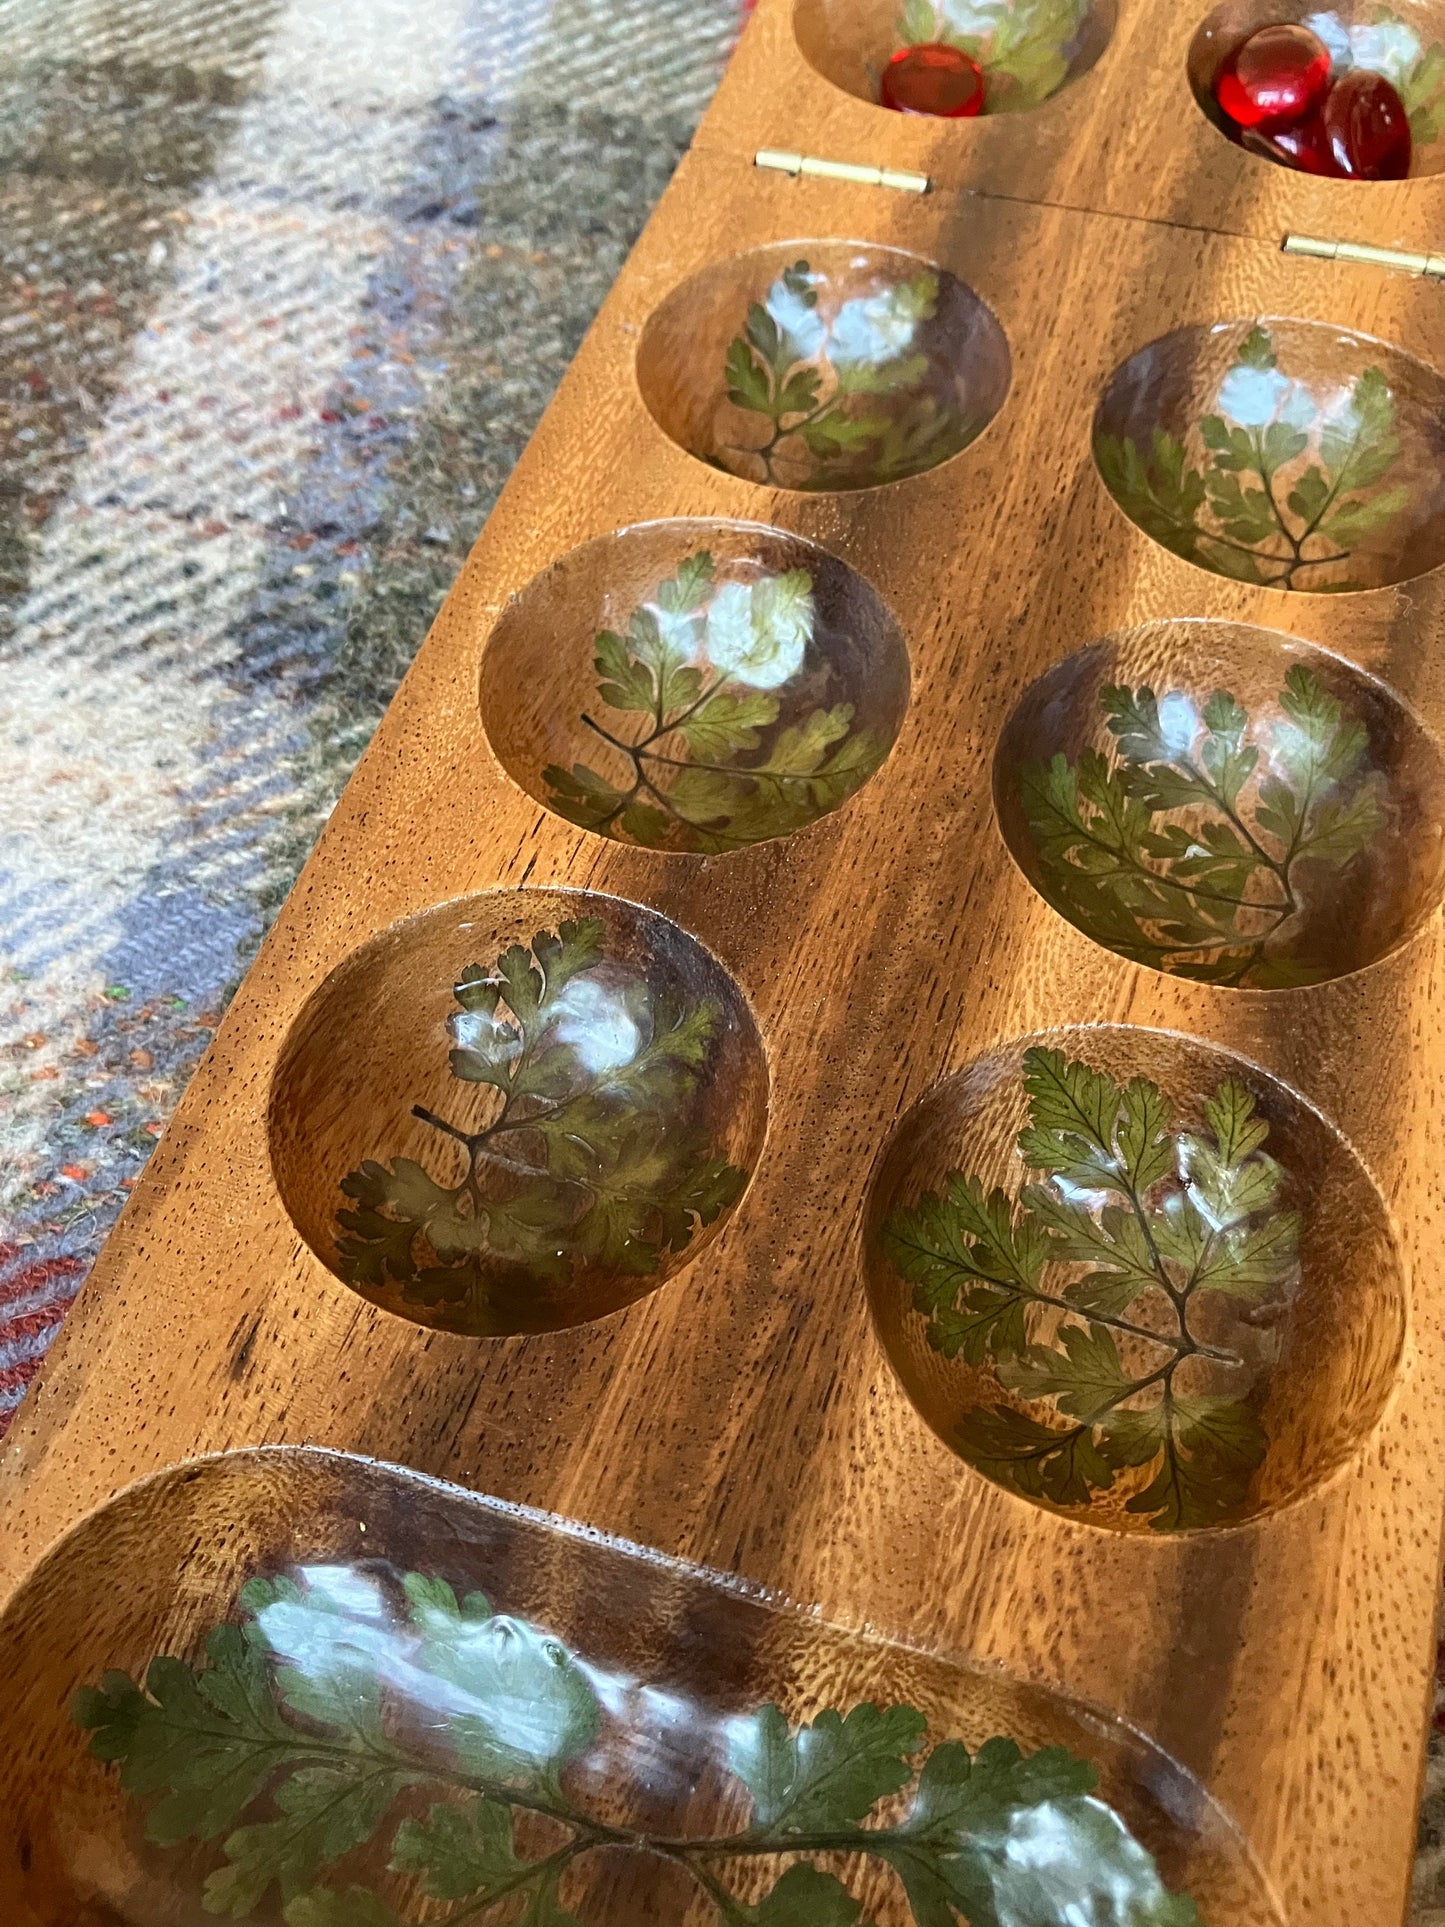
point(1192, 530)
point(1059, 1440)
point(529, 1875)
point(478, 1146)
point(663, 726)
point(587, 1834)
point(1161, 1270)
point(781, 434)
point(1186, 1345)
point(476, 1140)
point(1297, 559)
point(1287, 564)
point(1280, 868)
point(1081, 823)
point(642, 747)
point(1166, 882)
point(641, 751)
point(1171, 1447)
point(636, 752)
point(1297, 542)
point(1267, 475)
point(1115, 1206)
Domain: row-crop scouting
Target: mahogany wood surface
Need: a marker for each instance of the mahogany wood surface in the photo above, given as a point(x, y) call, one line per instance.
point(744, 1416)
point(1124, 137)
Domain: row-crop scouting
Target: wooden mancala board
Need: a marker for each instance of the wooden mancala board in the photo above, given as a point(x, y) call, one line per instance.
point(831, 1161)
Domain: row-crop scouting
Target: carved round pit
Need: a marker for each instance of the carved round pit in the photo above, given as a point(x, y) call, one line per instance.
point(408, 1684)
point(1029, 50)
point(519, 1111)
point(694, 685)
point(823, 365)
point(1226, 803)
point(1133, 1278)
point(1285, 454)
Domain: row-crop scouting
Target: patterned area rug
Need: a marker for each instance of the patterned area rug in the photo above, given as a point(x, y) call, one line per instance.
point(284, 286)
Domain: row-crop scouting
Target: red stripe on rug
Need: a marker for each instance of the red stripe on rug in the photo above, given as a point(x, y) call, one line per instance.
point(26, 1280)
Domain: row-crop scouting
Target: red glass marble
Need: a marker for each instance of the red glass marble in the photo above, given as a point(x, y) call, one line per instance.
point(1278, 75)
point(1368, 128)
point(1305, 146)
point(933, 79)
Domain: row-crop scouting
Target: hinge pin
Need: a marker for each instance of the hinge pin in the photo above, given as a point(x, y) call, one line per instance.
point(1398, 259)
point(786, 163)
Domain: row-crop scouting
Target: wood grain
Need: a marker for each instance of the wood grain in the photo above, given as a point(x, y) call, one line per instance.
point(744, 1416)
point(1127, 137)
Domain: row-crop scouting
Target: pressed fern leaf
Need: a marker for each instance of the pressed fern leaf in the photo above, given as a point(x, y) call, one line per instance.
point(1183, 851)
point(584, 1162)
point(826, 1775)
point(295, 1744)
point(958, 1850)
point(810, 385)
point(221, 1743)
point(467, 1853)
point(213, 1742)
point(1077, 1294)
point(918, 23)
point(708, 770)
point(461, 1852)
point(1277, 492)
point(803, 1897)
point(1422, 93)
point(330, 1907)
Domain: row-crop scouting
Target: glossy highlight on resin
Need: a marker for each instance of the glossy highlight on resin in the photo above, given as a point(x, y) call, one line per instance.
point(691, 689)
point(492, 1720)
point(933, 79)
point(1192, 847)
point(1173, 1222)
point(810, 382)
point(377, 1701)
point(1283, 453)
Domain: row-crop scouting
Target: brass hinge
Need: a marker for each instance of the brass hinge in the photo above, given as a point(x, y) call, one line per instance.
point(786, 163)
point(1399, 259)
